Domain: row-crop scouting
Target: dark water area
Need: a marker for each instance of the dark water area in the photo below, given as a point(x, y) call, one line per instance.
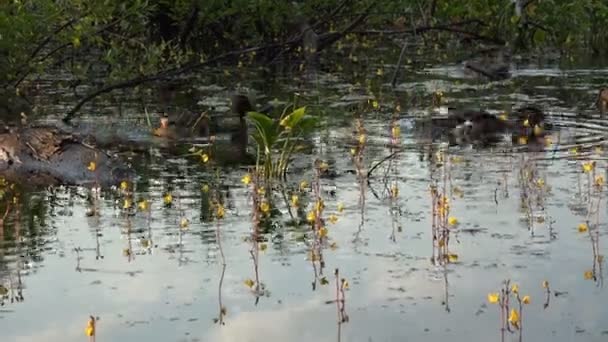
point(149, 276)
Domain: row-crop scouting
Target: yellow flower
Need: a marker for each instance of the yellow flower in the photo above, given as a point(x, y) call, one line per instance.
point(394, 191)
point(246, 179)
point(526, 300)
point(265, 207)
point(323, 166)
point(311, 217)
point(92, 166)
point(183, 223)
point(396, 131)
point(538, 130)
point(261, 191)
point(143, 205)
point(319, 206)
point(249, 283)
point(220, 211)
point(375, 104)
point(340, 207)
point(526, 123)
point(583, 227)
point(168, 198)
point(523, 140)
point(515, 288)
point(124, 185)
point(361, 139)
point(205, 188)
point(493, 297)
point(204, 157)
point(345, 284)
point(588, 275)
point(379, 72)
point(332, 219)
point(503, 117)
point(322, 232)
point(303, 185)
point(263, 247)
point(514, 318)
point(452, 257)
point(545, 284)
point(599, 180)
point(90, 329)
point(540, 182)
point(574, 150)
point(295, 201)
point(127, 203)
point(353, 151)
point(452, 221)
point(588, 166)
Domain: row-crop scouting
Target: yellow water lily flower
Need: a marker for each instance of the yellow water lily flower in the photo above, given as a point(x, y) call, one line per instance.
point(168, 198)
point(265, 207)
point(205, 157)
point(588, 275)
point(249, 283)
point(452, 221)
point(311, 217)
point(90, 329)
point(345, 285)
point(246, 179)
point(332, 219)
point(526, 300)
point(452, 257)
point(588, 166)
point(92, 166)
point(538, 130)
point(303, 185)
point(143, 205)
point(127, 203)
point(514, 318)
point(545, 284)
point(522, 140)
point(323, 232)
point(396, 131)
point(220, 211)
point(599, 180)
point(526, 123)
point(583, 227)
point(493, 298)
point(295, 201)
point(515, 288)
point(124, 185)
point(503, 117)
point(340, 207)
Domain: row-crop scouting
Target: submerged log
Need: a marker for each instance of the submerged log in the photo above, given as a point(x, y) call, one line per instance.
point(49, 156)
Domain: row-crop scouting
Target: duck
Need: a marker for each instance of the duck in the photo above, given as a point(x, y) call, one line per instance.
point(602, 100)
point(493, 65)
point(476, 126)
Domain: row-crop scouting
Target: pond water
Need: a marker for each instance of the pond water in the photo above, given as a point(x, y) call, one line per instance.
point(146, 278)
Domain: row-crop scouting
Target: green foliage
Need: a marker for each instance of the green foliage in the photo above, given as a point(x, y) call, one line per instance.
point(278, 139)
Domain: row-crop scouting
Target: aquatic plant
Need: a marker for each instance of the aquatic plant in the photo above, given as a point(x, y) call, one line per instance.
point(278, 139)
point(511, 318)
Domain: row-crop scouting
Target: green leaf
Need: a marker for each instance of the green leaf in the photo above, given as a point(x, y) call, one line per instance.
point(291, 120)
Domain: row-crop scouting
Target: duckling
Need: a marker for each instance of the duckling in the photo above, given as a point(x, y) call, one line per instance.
point(602, 100)
point(530, 121)
point(165, 130)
